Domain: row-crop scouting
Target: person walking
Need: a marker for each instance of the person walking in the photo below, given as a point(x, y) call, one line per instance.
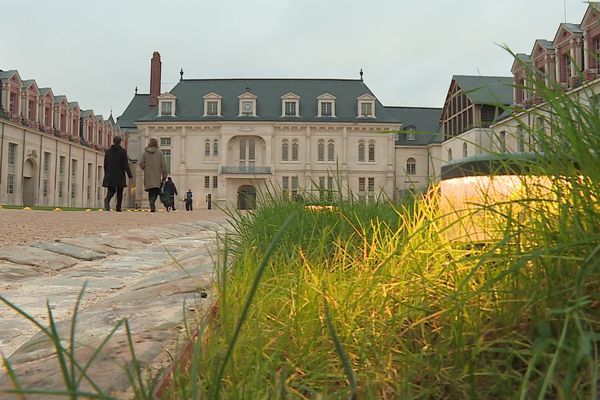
point(188, 200)
point(155, 171)
point(170, 188)
point(116, 166)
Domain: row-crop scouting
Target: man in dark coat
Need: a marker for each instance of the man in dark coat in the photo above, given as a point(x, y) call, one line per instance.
point(116, 165)
point(170, 188)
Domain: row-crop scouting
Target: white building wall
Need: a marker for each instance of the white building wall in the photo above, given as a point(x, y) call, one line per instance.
point(29, 160)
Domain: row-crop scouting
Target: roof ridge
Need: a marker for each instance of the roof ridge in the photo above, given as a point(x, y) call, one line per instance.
point(271, 79)
point(417, 107)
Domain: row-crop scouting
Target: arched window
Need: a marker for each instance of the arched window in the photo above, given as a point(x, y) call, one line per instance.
point(294, 150)
point(207, 148)
point(371, 151)
point(465, 150)
point(284, 150)
point(449, 155)
point(361, 151)
point(321, 150)
point(215, 147)
point(331, 150)
point(411, 166)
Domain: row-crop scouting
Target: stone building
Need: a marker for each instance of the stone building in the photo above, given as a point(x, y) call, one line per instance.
point(232, 139)
point(51, 151)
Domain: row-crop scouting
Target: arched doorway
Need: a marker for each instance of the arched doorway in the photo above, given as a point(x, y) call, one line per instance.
point(29, 186)
point(246, 197)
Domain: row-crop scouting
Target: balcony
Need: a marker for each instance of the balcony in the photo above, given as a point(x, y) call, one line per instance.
point(245, 170)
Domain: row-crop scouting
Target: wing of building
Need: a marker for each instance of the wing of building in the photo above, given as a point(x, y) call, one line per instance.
point(51, 151)
point(484, 117)
point(315, 139)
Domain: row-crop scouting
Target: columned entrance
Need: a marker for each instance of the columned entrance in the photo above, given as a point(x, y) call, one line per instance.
point(29, 185)
point(246, 197)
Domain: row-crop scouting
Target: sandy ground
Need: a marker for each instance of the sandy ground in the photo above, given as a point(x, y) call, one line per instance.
point(19, 227)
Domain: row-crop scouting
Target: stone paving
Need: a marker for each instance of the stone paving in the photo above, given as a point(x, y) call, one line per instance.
point(147, 276)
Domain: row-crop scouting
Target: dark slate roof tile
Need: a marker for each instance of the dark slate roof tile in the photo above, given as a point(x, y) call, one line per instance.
point(486, 89)
point(190, 102)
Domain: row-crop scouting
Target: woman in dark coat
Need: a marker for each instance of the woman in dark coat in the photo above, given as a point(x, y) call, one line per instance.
point(116, 165)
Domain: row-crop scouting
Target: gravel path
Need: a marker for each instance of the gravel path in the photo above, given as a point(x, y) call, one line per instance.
point(19, 227)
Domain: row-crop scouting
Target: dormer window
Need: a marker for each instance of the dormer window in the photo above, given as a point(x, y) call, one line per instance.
point(366, 106)
point(410, 134)
point(166, 108)
point(290, 105)
point(326, 105)
point(166, 105)
point(212, 105)
point(247, 105)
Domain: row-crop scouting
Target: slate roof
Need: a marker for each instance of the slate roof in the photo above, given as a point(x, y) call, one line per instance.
point(486, 89)
point(190, 101)
point(28, 83)
point(86, 113)
point(573, 28)
point(424, 120)
point(7, 74)
point(137, 108)
point(547, 44)
point(73, 104)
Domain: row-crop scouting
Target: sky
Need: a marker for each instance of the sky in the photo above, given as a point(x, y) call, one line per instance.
point(97, 52)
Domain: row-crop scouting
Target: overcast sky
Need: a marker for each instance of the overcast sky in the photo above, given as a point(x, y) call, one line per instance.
point(97, 52)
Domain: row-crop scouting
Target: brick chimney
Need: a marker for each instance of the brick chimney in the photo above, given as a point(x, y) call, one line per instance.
point(155, 66)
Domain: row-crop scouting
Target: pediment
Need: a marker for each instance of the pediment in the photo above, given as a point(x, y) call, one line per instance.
point(247, 95)
point(291, 96)
point(31, 86)
point(591, 16)
point(563, 34)
point(167, 96)
point(366, 96)
point(212, 95)
point(326, 96)
point(520, 61)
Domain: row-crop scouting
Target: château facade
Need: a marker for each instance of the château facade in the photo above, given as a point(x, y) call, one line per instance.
point(231, 139)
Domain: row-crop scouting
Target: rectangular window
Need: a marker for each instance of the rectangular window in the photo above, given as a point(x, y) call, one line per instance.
point(371, 186)
point(207, 182)
point(47, 159)
point(165, 108)
point(322, 188)
point(410, 135)
point(285, 183)
point(290, 108)
point(212, 108)
point(90, 176)
point(371, 152)
point(321, 151)
point(215, 182)
point(167, 155)
point(326, 109)
point(10, 184)
point(215, 147)
point(165, 142)
point(361, 184)
point(294, 187)
point(12, 154)
point(251, 150)
point(294, 150)
point(242, 150)
point(366, 109)
point(73, 179)
point(45, 188)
